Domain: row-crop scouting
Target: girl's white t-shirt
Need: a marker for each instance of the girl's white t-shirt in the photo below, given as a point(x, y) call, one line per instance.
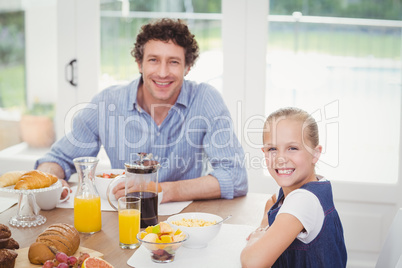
point(306, 207)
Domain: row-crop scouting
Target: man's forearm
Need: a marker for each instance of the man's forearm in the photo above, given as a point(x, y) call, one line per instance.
point(206, 187)
point(52, 168)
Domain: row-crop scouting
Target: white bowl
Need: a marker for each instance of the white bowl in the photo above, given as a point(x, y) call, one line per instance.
point(102, 183)
point(199, 237)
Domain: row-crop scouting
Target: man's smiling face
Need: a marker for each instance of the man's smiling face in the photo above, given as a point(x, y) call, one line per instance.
point(163, 69)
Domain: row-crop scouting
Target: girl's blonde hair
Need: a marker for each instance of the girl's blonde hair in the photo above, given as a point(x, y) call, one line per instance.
point(309, 122)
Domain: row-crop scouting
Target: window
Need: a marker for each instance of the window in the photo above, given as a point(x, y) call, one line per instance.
point(121, 21)
point(347, 73)
point(343, 68)
point(12, 75)
point(27, 73)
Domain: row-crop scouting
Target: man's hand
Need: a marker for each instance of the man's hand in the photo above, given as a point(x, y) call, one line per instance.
point(55, 169)
point(65, 191)
point(206, 187)
point(119, 190)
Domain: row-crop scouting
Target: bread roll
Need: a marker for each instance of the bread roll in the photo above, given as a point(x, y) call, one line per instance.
point(60, 237)
point(10, 178)
point(35, 179)
point(39, 253)
point(67, 231)
point(55, 241)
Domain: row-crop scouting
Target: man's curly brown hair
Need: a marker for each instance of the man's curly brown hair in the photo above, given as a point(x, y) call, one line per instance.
point(165, 30)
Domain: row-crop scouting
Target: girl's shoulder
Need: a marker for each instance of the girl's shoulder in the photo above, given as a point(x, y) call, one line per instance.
point(307, 208)
point(321, 178)
point(301, 195)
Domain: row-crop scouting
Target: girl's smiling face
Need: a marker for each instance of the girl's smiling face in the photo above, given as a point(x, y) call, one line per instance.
point(290, 158)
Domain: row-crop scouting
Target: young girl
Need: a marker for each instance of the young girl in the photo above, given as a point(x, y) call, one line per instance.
point(301, 227)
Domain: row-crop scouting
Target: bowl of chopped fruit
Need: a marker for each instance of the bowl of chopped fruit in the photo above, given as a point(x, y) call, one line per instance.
point(103, 178)
point(201, 227)
point(162, 241)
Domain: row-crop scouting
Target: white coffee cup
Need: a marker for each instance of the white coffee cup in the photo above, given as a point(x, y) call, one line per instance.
point(49, 199)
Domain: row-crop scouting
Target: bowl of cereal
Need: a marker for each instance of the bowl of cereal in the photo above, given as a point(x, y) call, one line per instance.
point(201, 227)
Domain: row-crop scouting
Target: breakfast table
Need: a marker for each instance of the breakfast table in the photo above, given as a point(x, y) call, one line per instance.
point(246, 210)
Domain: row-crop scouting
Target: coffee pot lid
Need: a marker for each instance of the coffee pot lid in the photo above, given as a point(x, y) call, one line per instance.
point(146, 164)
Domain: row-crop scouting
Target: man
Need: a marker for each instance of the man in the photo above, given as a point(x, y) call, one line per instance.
point(183, 124)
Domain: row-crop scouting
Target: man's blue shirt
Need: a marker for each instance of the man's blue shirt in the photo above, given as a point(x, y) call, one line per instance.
point(196, 138)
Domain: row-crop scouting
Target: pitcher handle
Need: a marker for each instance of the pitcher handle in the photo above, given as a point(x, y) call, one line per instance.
point(111, 186)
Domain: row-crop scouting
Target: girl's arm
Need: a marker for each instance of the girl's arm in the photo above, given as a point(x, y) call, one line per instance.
point(265, 247)
point(268, 206)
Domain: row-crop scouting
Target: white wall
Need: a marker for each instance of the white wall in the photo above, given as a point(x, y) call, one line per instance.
point(78, 35)
point(244, 33)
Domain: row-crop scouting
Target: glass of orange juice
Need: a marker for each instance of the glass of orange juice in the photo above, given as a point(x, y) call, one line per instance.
point(129, 209)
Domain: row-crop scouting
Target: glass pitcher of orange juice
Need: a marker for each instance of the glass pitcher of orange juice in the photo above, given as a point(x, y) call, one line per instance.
point(87, 203)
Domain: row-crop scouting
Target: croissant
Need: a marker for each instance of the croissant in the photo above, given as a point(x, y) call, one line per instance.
point(10, 178)
point(35, 179)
